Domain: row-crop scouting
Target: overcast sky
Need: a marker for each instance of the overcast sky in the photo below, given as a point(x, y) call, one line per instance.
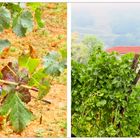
point(115, 23)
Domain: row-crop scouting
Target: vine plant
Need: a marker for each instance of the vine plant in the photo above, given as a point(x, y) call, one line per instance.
point(18, 78)
point(105, 95)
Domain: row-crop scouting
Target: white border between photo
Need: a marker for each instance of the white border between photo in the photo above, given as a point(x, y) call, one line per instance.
point(69, 70)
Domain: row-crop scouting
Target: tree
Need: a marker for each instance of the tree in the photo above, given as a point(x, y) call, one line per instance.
point(81, 50)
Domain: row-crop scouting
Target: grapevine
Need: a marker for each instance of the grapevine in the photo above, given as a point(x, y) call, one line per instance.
point(105, 95)
point(26, 73)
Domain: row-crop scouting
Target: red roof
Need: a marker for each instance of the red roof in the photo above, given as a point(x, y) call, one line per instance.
point(124, 49)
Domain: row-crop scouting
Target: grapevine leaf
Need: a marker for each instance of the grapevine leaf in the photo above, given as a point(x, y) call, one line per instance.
point(104, 99)
point(1, 28)
point(28, 62)
point(3, 44)
point(37, 77)
point(19, 116)
point(101, 103)
point(63, 52)
point(35, 5)
point(53, 55)
point(27, 20)
point(43, 89)
point(38, 18)
point(18, 28)
point(14, 8)
point(8, 72)
point(5, 18)
point(53, 69)
point(53, 64)
point(11, 73)
point(23, 23)
point(38, 81)
point(24, 95)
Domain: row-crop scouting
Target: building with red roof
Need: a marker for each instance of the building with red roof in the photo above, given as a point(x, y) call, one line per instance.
point(125, 49)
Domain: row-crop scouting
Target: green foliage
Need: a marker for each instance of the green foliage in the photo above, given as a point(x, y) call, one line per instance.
point(37, 9)
point(19, 16)
point(26, 76)
point(5, 18)
point(39, 20)
point(54, 63)
point(3, 44)
point(13, 8)
point(105, 103)
point(23, 23)
point(38, 80)
point(37, 76)
point(18, 113)
point(34, 5)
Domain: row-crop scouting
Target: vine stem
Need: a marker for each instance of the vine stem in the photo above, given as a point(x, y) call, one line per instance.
point(24, 86)
point(11, 70)
point(16, 84)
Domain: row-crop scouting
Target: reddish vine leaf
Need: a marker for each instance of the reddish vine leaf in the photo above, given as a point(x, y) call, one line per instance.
point(25, 95)
point(9, 72)
point(12, 73)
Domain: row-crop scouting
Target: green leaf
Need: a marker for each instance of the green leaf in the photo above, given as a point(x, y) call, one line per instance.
point(43, 89)
point(3, 44)
point(34, 5)
point(53, 69)
point(1, 28)
point(27, 62)
point(23, 23)
point(37, 77)
point(101, 103)
point(5, 18)
point(19, 116)
point(38, 18)
point(18, 28)
point(63, 52)
point(1, 75)
point(53, 64)
point(27, 20)
point(38, 80)
point(53, 55)
point(14, 8)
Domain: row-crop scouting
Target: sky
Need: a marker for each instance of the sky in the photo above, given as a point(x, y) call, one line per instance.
point(116, 24)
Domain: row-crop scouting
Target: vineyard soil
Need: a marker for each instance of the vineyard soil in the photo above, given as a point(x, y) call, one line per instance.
point(50, 119)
